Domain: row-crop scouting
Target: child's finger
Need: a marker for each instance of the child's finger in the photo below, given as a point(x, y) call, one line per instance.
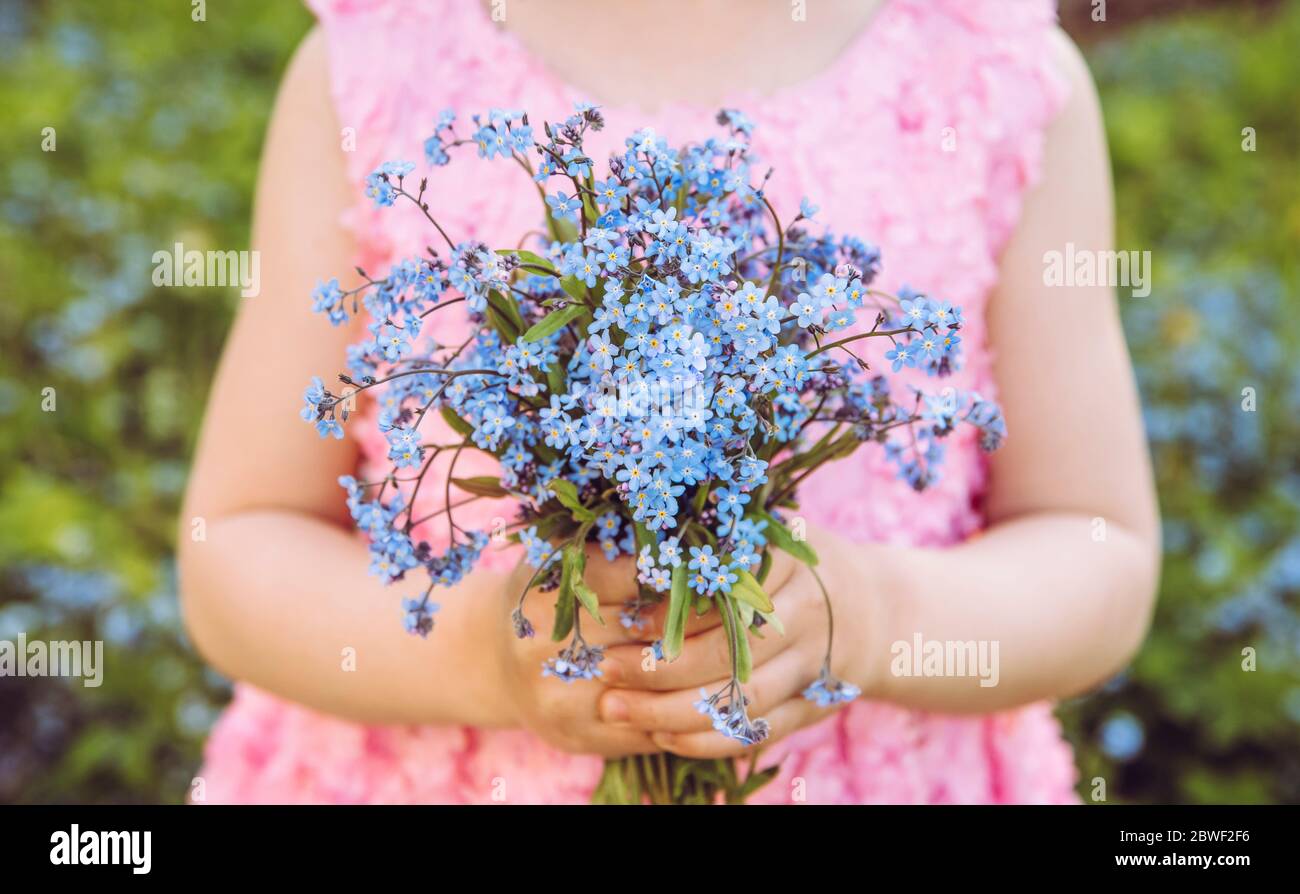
point(654, 618)
point(771, 684)
point(614, 581)
point(788, 717)
point(783, 568)
point(705, 657)
point(539, 609)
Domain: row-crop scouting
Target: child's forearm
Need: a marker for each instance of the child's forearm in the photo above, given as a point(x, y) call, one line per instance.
point(1046, 605)
point(283, 601)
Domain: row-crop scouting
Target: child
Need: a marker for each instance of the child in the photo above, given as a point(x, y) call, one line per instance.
point(962, 136)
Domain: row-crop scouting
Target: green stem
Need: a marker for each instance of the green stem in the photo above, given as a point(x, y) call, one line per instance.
point(780, 248)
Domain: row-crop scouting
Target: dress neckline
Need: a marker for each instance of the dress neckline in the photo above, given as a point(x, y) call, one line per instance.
point(745, 99)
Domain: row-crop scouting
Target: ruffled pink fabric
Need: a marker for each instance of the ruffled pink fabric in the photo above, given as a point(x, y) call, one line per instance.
point(866, 141)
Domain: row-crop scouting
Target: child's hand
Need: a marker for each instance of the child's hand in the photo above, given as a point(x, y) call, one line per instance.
point(564, 714)
point(660, 701)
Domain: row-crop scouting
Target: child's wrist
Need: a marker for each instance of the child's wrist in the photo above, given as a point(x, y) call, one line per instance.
point(495, 704)
point(865, 611)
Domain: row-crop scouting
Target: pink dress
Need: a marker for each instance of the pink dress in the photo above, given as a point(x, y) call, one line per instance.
point(923, 137)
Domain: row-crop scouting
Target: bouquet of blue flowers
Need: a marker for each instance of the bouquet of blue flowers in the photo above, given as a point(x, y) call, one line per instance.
point(656, 374)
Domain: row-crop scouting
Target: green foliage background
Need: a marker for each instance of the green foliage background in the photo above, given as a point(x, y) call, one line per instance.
point(158, 122)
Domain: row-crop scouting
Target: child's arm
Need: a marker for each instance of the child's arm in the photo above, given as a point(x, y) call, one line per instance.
point(278, 588)
point(1065, 608)
point(1068, 599)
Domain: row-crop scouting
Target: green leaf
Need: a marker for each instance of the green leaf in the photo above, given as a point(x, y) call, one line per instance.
point(610, 789)
point(544, 453)
point(744, 660)
point(509, 306)
point(590, 601)
point(567, 494)
point(746, 615)
point(574, 570)
point(701, 495)
point(726, 768)
point(679, 600)
point(748, 589)
point(554, 322)
point(739, 640)
point(573, 562)
point(564, 607)
point(632, 779)
point(753, 782)
point(504, 316)
point(527, 257)
point(563, 230)
point(458, 425)
point(774, 622)
point(482, 486)
point(498, 322)
point(782, 538)
point(575, 289)
point(554, 525)
point(555, 379)
point(644, 536)
point(682, 770)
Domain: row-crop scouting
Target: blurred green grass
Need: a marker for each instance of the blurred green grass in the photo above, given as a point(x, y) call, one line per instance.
point(158, 122)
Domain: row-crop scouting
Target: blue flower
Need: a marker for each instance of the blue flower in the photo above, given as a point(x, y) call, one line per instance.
point(435, 153)
point(379, 190)
point(901, 355)
point(731, 502)
point(609, 192)
point(828, 691)
point(808, 309)
point(328, 299)
point(417, 615)
point(564, 207)
point(393, 343)
point(379, 183)
point(727, 710)
point(313, 397)
point(493, 140)
point(915, 313)
point(578, 662)
point(702, 558)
